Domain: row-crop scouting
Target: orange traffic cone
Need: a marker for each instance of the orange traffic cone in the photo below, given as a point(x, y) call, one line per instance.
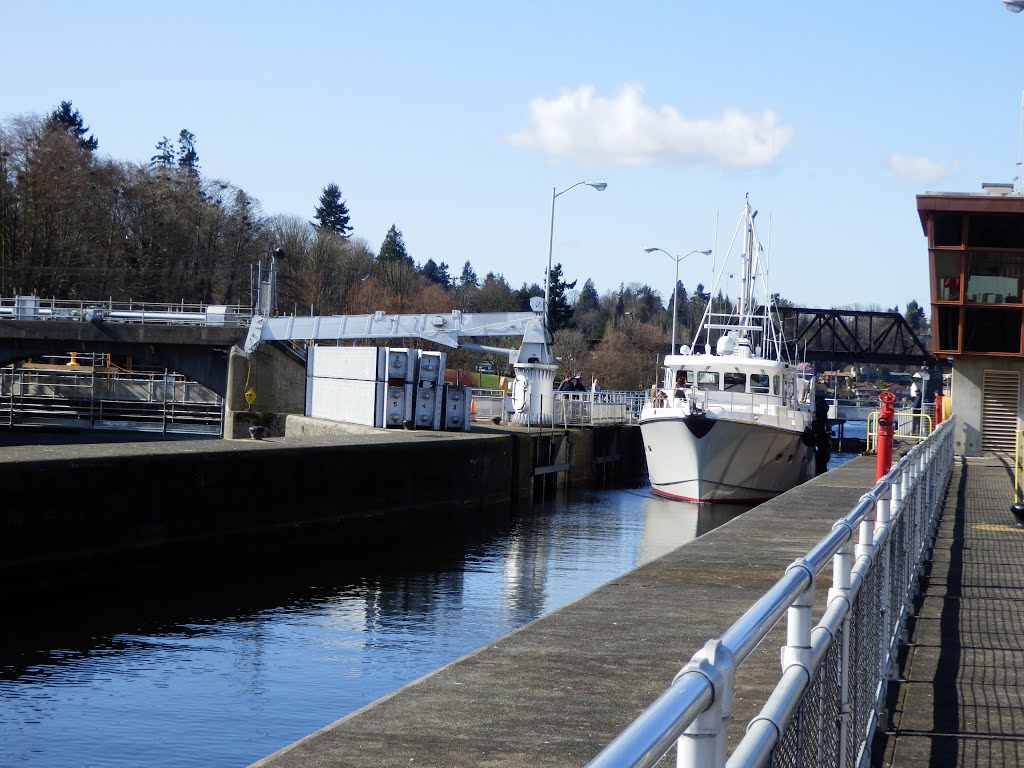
point(472, 408)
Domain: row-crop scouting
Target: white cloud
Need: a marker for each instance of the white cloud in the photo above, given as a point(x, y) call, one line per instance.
point(920, 169)
point(623, 130)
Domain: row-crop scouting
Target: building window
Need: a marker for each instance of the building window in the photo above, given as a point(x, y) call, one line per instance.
point(994, 278)
point(992, 330)
point(948, 328)
point(995, 231)
point(947, 275)
point(947, 229)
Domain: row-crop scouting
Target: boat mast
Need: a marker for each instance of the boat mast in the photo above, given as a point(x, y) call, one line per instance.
point(746, 297)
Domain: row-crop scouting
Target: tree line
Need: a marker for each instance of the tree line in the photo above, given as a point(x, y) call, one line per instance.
point(75, 224)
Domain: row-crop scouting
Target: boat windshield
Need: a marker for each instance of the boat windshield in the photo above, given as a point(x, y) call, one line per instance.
point(706, 380)
point(731, 381)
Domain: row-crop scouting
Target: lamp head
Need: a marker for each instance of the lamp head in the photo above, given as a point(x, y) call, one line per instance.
point(600, 186)
point(651, 250)
point(1014, 6)
point(706, 253)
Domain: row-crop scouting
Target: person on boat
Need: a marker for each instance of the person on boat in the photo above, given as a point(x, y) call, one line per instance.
point(680, 391)
point(566, 385)
point(657, 396)
point(822, 437)
point(577, 383)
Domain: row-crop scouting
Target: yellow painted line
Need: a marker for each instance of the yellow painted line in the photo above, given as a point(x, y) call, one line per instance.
point(987, 527)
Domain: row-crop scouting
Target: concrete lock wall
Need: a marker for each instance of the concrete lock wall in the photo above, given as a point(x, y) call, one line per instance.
point(237, 495)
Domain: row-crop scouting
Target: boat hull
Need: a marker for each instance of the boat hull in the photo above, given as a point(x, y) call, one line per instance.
point(707, 459)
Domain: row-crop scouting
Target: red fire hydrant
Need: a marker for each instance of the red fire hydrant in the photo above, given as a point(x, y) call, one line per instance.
point(938, 409)
point(886, 414)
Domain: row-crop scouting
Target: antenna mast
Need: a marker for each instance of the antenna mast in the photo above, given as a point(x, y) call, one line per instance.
point(1018, 182)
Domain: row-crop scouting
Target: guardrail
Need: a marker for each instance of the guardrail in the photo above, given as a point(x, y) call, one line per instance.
point(34, 308)
point(908, 426)
point(570, 409)
point(84, 397)
point(824, 710)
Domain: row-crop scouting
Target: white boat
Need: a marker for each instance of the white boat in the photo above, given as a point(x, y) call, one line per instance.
point(731, 419)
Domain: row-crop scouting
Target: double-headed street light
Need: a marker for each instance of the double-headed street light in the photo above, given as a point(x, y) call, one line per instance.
point(675, 285)
point(600, 187)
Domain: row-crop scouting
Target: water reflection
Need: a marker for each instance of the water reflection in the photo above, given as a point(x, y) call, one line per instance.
point(669, 524)
point(186, 663)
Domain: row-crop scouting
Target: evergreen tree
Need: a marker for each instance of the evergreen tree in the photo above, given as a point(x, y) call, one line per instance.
point(393, 248)
point(559, 309)
point(468, 276)
point(66, 118)
point(188, 158)
point(915, 317)
point(332, 212)
point(588, 300)
point(436, 273)
point(165, 156)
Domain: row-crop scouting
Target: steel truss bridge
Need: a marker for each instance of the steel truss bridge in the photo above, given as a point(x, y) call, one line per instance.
point(853, 336)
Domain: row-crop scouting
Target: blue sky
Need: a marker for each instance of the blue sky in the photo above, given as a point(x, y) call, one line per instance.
point(455, 120)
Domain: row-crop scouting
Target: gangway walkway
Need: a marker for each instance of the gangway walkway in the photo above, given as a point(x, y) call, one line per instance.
point(961, 702)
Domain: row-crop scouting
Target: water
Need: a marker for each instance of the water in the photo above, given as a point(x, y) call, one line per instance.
point(192, 664)
point(195, 663)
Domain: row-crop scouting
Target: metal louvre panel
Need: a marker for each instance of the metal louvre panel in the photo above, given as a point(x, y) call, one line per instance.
point(1000, 403)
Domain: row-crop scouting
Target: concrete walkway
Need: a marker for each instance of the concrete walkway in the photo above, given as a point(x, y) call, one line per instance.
point(961, 702)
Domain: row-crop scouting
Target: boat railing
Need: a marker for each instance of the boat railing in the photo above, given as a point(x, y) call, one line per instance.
point(827, 702)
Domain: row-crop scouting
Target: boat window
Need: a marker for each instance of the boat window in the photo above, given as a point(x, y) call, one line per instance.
point(759, 383)
point(776, 385)
point(735, 382)
point(707, 380)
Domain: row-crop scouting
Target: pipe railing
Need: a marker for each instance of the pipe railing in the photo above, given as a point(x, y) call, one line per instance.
point(834, 675)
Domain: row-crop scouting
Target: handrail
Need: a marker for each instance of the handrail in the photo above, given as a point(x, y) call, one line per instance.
point(909, 426)
point(903, 508)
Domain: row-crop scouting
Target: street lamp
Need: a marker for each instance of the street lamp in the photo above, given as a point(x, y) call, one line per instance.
point(675, 285)
point(600, 186)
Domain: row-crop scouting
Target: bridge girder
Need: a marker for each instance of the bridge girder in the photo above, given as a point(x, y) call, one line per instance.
point(853, 336)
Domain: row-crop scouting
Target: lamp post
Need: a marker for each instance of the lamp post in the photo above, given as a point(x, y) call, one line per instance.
point(600, 186)
point(675, 285)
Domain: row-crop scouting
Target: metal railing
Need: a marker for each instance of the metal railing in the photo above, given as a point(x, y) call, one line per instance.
point(908, 426)
point(826, 705)
point(1018, 466)
point(34, 308)
point(85, 397)
point(570, 409)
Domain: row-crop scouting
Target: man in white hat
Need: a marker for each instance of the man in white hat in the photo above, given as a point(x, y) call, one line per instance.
point(915, 402)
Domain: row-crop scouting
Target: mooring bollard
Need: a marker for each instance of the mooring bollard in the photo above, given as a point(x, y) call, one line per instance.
point(886, 412)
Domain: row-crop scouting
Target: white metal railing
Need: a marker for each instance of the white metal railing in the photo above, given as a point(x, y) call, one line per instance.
point(601, 407)
point(34, 308)
point(825, 708)
point(570, 409)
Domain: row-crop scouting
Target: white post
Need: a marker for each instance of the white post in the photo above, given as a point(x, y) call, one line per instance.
point(842, 568)
point(703, 744)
